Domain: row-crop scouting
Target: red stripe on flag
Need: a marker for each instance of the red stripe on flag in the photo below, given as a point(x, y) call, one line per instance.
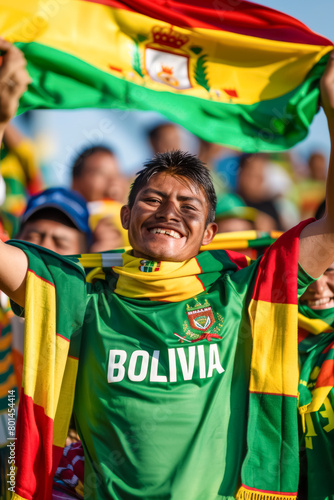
point(278, 279)
point(246, 18)
point(32, 424)
point(326, 375)
point(237, 258)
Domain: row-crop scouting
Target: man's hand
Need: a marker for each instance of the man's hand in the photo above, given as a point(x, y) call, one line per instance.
point(327, 92)
point(316, 249)
point(14, 80)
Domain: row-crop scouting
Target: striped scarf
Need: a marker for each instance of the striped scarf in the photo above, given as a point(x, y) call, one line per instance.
point(52, 346)
point(316, 399)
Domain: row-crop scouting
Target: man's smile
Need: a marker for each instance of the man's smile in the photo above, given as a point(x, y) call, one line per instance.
point(168, 232)
point(323, 303)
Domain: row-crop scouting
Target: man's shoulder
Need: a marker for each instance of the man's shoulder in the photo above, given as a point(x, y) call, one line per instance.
point(43, 261)
point(227, 261)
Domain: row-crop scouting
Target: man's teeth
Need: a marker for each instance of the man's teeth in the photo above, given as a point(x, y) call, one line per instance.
point(319, 302)
point(169, 232)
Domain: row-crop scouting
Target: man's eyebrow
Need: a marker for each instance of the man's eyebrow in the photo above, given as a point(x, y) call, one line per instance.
point(163, 195)
point(190, 198)
point(155, 191)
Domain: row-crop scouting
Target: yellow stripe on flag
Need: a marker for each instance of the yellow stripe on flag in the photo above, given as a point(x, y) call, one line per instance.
point(62, 418)
point(104, 37)
point(271, 344)
point(41, 376)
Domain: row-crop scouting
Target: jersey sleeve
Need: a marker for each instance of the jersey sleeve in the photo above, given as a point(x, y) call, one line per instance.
point(50, 273)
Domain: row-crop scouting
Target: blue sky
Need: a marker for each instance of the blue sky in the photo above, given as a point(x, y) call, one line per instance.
point(319, 16)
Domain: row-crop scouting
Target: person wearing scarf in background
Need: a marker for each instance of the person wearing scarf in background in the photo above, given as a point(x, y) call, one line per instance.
point(316, 387)
point(183, 391)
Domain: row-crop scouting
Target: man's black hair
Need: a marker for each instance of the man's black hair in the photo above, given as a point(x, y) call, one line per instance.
point(179, 164)
point(79, 162)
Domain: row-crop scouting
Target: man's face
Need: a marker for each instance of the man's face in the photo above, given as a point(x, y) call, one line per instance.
point(168, 220)
point(100, 178)
point(320, 294)
point(54, 236)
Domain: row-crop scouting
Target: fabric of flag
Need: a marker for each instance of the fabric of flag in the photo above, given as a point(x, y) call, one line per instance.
point(9, 395)
point(316, 398)
point(238, 74)
point(52, 346)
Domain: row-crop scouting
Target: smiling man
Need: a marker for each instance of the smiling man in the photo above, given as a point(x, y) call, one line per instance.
point(171, 208)
point(186, 360)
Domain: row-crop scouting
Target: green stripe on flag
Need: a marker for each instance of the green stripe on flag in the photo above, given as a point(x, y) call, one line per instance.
point(62, 81)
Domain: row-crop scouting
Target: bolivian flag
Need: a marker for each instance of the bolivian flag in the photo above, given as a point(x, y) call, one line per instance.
point(235, 73)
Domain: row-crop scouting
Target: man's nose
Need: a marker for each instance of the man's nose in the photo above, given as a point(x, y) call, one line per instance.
point(318, 285)
point(168, 210)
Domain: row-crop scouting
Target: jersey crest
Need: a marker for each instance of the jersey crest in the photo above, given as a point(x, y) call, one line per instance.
point(202, 323)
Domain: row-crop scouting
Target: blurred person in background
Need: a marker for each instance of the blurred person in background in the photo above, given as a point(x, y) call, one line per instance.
point(310, 190)
point(165, 137)
point(104, 220)
point(21, 174)
point(57, 219)
point(239, 225)
point(97, 176)
point(252, 187)
point(232, 214)
point(317, 163)
point(208, 153)
point(223, 163)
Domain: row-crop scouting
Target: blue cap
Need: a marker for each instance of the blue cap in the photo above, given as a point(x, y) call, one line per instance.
point(70, 203)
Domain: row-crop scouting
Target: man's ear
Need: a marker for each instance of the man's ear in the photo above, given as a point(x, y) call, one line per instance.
point(209, 233)
point(125, 216)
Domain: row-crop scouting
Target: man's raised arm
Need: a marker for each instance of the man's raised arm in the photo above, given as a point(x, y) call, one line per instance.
point(14, 80)
point(316, 249)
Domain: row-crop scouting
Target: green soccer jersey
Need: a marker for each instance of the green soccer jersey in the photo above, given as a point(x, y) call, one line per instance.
point(162, 390)
point(161, 409)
